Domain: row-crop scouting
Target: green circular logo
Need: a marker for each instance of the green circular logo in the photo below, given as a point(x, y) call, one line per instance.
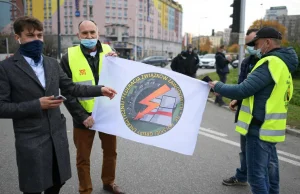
point(152, 104)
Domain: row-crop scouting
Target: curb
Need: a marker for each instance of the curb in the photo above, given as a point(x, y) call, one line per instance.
point(294, 132)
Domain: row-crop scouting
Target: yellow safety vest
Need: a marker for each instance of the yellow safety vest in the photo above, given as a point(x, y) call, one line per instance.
point(274, 124)
point(82, 73)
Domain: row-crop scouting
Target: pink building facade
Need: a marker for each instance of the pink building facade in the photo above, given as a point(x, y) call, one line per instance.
point(153, 27)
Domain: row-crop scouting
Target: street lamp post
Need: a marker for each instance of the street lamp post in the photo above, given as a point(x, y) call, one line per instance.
point(58, 30)
point(135, 33)
point(262, 15)
point(242, 33)
point(200, 35)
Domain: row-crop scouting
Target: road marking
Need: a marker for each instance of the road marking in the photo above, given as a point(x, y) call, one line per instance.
point(213, 132)
point(288, 154)
point(289, 161)
point(220, 139)
point(296, 163)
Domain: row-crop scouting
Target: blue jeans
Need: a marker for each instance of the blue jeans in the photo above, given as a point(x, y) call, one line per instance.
point(262, 166)
point(241, 173)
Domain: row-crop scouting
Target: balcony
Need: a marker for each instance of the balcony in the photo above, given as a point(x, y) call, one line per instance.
point(125, 35)
point(111, 34)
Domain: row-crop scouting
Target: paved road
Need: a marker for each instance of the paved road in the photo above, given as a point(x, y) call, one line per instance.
point(145, 169)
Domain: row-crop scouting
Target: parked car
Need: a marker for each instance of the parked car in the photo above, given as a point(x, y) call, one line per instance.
point(235, 64)
point(208, 61)
point(156, 61)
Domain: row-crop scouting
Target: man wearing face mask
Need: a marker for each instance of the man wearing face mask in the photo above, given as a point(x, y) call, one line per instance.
point(29, 81)
point(222, 70)
point(248, 63)
point(186, 62)
point(83, 64)
point(262, 119)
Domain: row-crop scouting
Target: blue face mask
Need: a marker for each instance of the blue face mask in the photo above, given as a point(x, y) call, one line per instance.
point(32, 50)
point(251, 50)
point(89, 43)
point(259, 53)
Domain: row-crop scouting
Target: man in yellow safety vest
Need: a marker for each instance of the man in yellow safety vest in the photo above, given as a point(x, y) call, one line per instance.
point(83, 64)
point(262, 119)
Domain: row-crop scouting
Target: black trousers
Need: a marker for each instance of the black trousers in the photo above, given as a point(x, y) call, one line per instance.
point(219, 99)
point(56, 180)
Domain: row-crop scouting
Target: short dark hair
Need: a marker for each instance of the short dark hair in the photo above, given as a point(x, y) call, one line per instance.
point(249, 31)
point(86, 20)
point(27, 22)
point(222, 47)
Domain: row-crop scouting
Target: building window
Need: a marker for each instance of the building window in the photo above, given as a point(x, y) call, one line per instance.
point(107, 2)
point(125, 13)
point(107, 19)
point(107, 12)
point(120, 14)
point(91, 10)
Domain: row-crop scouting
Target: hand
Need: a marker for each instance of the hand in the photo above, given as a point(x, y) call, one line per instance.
point(212, 84)
point(49, 102)
point(229, 58)
point(232, 105)
point(112, 54)
point(216, 94)
point(109, 92)
point(89, 122)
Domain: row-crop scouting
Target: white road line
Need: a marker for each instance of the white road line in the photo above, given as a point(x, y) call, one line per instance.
point(288, 154)
point(296, 163)
point(220, 139)
point(213, 132)
point(289, 161)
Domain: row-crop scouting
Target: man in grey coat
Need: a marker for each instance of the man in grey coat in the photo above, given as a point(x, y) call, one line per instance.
point(28, 83)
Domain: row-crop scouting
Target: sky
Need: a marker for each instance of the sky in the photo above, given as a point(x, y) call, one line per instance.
point(201, 16)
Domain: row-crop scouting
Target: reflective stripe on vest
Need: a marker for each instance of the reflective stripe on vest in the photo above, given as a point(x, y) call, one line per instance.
point(274, 125)
point(82, 73)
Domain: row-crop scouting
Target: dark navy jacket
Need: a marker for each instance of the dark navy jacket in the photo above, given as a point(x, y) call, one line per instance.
point(259, 83)
point(246, 67)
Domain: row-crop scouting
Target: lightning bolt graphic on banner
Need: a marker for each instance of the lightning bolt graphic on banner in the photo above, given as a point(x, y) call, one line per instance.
point(151, 105)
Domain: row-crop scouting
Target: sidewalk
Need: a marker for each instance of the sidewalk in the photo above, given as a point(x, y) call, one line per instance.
point(294, 132)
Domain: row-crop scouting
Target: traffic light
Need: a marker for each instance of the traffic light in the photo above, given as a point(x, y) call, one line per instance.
point(213, 32)
point(235, 27)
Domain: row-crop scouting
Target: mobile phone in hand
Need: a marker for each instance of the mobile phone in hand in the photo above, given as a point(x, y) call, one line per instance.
point(60, 97)
point(207, 79)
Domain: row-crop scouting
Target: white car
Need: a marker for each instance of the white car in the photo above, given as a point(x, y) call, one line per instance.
point(208, 61)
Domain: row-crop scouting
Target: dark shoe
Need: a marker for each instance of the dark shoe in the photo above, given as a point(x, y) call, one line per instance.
point(232, 181)
point(113, 188)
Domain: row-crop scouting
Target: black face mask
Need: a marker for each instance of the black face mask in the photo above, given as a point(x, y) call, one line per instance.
point(32, 50)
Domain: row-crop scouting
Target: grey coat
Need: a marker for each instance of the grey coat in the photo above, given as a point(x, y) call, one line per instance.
point(38, 133)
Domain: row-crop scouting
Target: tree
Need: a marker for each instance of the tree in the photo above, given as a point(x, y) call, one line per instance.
point(233, 48)
point(206, 47)
point(270, 23)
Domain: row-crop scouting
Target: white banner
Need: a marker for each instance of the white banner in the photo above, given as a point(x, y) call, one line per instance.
point(154, 106)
